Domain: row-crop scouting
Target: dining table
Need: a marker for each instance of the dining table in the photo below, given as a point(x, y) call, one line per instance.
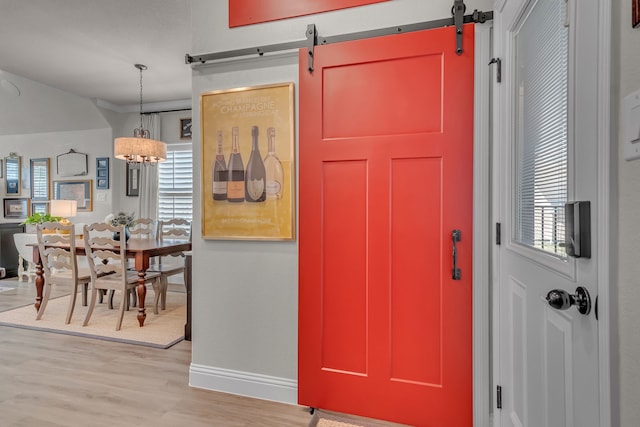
point(140, 250)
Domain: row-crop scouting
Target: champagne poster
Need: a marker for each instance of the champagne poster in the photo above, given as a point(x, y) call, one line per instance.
point(248, 168)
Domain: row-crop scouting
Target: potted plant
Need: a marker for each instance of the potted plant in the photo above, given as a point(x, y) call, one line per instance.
point(32, 221)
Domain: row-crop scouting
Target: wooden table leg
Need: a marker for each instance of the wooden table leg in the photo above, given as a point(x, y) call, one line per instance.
point(142, 293)
point(39, 282)
point(39, 285)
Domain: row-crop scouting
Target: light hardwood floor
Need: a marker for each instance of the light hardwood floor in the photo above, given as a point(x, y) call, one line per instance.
point(50, 380)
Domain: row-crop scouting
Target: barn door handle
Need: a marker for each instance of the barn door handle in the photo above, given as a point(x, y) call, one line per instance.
point(562, 300)
point(455, 237)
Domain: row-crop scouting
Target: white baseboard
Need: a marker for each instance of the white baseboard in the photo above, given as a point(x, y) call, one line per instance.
point(258, 386)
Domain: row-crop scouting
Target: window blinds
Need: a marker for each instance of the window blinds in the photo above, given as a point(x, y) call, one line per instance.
point(541, 123)
point(175, 198)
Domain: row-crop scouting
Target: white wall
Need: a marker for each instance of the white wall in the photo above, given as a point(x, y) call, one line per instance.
point(628, 312)
point(245, 293)
point(37, 108)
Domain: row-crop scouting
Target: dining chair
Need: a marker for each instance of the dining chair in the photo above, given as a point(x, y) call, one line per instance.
point(107, 257)
point(141, 228)
point(178, 229)
point(59, 264)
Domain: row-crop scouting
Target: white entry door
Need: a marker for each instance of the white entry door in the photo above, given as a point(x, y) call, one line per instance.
point(546, 127)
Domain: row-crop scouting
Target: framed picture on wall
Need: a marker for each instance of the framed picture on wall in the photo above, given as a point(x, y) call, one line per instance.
point(13, 175)
point(635, 13)
point(40, 178)
point(185, 128)
point(39, 207)
point(102, 173)
point(16, 208)
point(133, 180)
point(260, 153)
point(81, 191)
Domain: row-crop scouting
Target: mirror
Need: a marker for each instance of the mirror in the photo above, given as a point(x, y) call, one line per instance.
point(40, 179)
point(13, 179)
point(72, 163)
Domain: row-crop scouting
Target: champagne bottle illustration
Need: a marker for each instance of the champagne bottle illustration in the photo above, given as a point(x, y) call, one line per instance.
point(273, 168)
point(235, 170)
point(254, 187)
point(219, 189)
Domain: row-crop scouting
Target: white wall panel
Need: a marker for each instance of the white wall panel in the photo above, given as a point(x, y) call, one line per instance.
point(519, 350)
point(558, 368)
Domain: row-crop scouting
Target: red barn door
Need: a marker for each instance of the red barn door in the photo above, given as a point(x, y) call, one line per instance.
point(386, 175)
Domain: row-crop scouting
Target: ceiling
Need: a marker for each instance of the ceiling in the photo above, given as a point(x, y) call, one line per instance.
point(89, 47)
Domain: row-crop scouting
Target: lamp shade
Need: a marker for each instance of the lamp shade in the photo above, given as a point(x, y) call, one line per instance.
point(140, 150)
point(64, 208)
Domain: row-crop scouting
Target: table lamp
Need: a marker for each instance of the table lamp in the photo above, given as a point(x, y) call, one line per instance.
point(64, 209)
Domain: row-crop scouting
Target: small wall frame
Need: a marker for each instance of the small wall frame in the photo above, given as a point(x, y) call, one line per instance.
point(39, 207)
point(185, 128)
point(16, 208)
point(40, 177)
point(102, 173)
point(13, 175)
point(133, 180)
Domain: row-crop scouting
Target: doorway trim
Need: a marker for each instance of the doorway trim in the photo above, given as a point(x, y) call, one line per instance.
point(482, 243)
point(607, 212)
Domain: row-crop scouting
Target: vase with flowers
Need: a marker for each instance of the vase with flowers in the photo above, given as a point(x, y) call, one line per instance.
point(121, 218)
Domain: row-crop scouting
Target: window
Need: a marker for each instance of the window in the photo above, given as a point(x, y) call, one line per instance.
point(542, 123)
point(175, 187)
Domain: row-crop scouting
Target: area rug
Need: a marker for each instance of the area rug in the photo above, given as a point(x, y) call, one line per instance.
point(160, 331)
point(322, 418)
point(324, 422)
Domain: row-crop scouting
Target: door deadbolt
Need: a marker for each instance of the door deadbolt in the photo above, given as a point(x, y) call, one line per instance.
point(562, 300)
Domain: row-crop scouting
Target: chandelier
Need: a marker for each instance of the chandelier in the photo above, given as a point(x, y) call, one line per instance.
point(140, 149)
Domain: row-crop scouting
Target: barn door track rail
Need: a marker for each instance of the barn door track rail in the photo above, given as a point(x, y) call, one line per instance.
point(458, 18)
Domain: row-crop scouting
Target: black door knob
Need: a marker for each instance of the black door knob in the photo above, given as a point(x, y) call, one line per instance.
point(562, 300)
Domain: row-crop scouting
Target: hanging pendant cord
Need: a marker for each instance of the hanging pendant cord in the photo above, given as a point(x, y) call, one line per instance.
point(140, 67)
point(140, 97)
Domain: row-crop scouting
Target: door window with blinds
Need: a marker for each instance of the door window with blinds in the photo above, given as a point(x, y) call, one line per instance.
point(175, 187)
point(541, 135)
